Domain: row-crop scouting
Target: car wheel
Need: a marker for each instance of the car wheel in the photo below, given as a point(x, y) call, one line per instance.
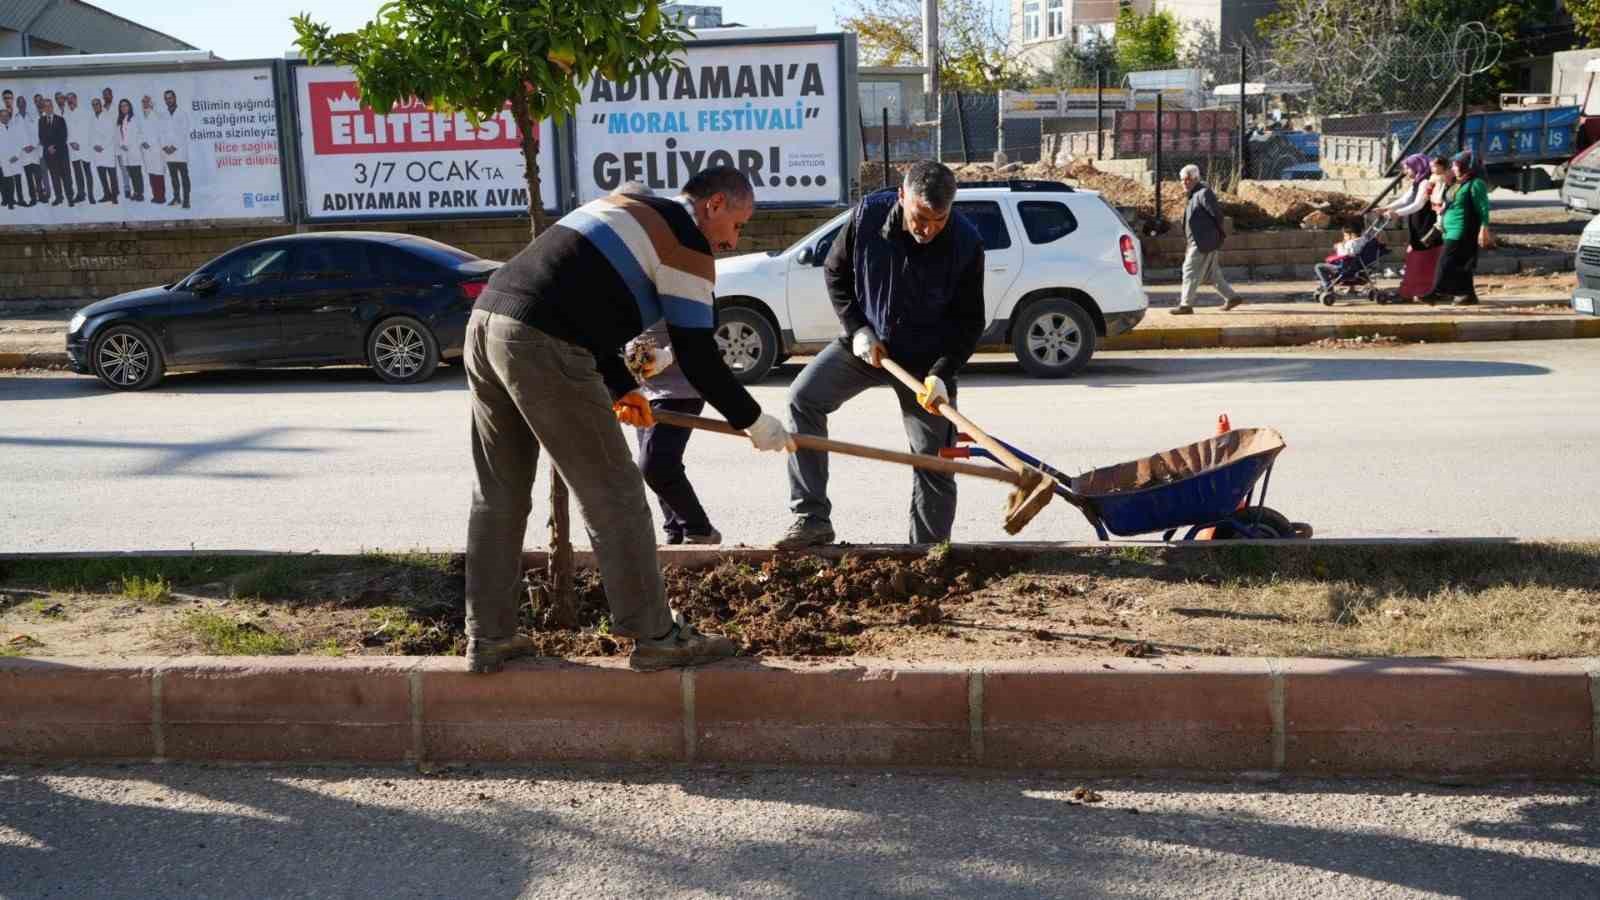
point(127, 359)
point(402, 350)
point(748, 342)
point(1053, 338)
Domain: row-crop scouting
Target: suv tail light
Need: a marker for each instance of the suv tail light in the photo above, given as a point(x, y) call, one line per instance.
point(1130, 256)
point(471, 289)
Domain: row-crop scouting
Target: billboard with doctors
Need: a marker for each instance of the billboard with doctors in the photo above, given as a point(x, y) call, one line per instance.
point(90, 148)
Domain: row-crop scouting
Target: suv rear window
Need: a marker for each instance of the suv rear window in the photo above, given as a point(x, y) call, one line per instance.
point(985, 215)
point(1046, 221)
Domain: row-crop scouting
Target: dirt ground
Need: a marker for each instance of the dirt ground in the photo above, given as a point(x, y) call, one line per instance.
point(1489, 600)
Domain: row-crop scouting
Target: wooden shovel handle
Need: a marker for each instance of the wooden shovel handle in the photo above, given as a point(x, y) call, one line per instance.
point(809, 442)
point(1005, 456)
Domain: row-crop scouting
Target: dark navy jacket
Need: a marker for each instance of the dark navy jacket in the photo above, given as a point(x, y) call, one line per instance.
point(924, 301)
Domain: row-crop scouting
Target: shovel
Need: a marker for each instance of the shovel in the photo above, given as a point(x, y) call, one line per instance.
point(1028, 497)
point(1038, 486)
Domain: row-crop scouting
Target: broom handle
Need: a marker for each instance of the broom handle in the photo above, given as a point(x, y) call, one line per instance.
point(810, 442)
point(1001, 453)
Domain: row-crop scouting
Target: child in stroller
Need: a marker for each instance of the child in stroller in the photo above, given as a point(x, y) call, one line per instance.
point(1352, 263)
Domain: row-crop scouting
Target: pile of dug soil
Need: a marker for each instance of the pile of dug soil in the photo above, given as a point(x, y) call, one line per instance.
point(787, 606)
point(1255, 206)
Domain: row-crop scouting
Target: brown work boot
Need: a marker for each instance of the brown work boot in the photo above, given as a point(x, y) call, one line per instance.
point(684, 645)
point(485, 655)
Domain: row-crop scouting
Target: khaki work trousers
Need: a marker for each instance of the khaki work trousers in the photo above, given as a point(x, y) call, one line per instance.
point(530, 390)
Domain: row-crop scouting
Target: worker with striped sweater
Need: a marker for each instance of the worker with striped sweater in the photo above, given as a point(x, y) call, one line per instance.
point(545, 370)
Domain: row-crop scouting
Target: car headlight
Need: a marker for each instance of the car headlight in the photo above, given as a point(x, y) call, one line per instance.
point(76, 323)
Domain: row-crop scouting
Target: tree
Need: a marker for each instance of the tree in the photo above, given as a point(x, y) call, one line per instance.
point(1585, 19)
point(479, 57)
point(1204, 49)
point(1148, 41)
point(1077, 62)
point(1369, 55)
point(975, 51)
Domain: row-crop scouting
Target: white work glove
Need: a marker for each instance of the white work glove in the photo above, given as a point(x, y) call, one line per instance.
point(660, 361)
point(767, 433)
point(865, 345)
point(933, 393)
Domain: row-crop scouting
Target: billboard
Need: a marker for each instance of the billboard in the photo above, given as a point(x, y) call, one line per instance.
point(413, 162)
point(79, 147)
point(772, 107)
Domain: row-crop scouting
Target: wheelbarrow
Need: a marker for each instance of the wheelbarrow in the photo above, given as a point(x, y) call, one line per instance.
point(1208, 488)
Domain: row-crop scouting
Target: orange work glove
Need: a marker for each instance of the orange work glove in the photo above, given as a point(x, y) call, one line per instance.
point(633, 409)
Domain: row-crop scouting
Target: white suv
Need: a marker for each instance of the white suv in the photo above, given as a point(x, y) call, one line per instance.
point(1062, 270)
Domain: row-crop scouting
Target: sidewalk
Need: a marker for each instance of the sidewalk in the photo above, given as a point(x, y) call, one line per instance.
point(1283, 314)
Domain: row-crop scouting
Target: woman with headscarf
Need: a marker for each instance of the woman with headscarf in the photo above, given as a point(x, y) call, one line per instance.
point(1465, 227)
point(1423, 247)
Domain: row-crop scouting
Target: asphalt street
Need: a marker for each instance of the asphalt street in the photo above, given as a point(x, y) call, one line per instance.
point(1478, 439)
point(182, 831)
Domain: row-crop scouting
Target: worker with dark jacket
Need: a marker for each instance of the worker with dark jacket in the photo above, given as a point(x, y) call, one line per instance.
point(545, 371)
point(905, 276)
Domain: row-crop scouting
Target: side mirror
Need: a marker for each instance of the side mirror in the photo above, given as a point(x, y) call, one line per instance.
point(807, 256)
point(204, 284)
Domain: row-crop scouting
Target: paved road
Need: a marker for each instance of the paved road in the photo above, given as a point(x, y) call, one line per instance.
point(1457, 439)
point(176, 831)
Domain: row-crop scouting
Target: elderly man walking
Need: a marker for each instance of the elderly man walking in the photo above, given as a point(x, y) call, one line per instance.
point(546, 374)
point(905, 276)
point(1202, 262)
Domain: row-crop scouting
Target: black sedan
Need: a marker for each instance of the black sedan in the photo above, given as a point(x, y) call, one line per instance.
point(395, 302)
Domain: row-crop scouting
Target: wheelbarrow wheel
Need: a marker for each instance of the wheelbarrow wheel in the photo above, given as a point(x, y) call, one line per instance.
point(1267, 522)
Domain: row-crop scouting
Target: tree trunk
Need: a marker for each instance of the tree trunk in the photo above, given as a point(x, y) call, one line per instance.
point(561, 567)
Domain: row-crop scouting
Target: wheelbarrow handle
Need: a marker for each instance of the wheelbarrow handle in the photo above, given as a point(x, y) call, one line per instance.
point(1001, 452)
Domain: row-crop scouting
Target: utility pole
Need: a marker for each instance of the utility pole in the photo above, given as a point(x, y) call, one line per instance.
point(932, 101)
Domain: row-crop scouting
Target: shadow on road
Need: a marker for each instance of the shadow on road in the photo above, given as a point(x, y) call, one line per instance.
point(177, 457)
point(342, 380)
point(194, 831)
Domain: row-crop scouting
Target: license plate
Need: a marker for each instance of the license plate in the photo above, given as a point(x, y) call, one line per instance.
point(1579, 204)
point(1583, 304)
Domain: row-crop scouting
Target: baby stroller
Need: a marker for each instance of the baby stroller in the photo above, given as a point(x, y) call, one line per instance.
point(1356, 273)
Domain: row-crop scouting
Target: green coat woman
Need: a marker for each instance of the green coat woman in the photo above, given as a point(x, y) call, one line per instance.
point(1464, 224)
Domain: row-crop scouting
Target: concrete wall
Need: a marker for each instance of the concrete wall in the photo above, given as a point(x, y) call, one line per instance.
point(65, 265)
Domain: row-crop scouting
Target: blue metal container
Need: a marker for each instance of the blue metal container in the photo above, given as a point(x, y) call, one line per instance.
point(1529, 136)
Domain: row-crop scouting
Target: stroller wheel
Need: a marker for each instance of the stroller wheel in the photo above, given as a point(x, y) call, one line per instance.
point(1326, 297)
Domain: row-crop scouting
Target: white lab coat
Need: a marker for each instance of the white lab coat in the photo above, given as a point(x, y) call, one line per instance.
point(102, 134)
point(8, 149)
point(129, 134)
point(152, 131)
point(27, 130)
point(176, 133)
point(78, 129)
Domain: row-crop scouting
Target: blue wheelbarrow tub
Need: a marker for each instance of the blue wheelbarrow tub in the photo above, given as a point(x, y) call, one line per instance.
point(1197, 484)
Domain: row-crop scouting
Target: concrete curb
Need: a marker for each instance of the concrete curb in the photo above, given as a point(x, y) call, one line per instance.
point(1113, 715)
point(1194, 338)
point(47, 359)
